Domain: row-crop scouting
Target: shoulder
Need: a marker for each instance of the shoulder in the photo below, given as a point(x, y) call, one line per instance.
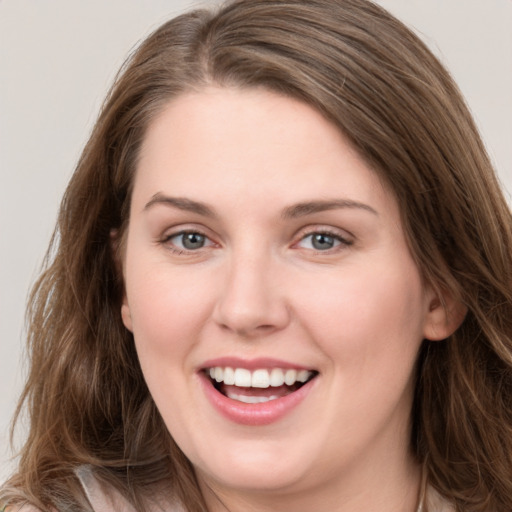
point(103, 498)
point(434, 502)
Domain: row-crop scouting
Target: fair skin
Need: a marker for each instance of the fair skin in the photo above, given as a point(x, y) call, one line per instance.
point(259, 239)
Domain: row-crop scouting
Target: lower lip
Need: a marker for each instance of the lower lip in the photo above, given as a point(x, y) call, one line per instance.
point(254, 414)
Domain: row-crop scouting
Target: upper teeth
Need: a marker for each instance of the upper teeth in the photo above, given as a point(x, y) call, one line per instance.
point(258, 378)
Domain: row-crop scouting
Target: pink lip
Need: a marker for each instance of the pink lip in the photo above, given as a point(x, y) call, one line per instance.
point(251, 364)
point(253, 414)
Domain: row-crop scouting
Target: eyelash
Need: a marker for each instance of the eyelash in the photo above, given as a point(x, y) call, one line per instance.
point(342, 241)
point(166, 240)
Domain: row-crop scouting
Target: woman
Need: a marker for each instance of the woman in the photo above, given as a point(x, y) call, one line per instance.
point(280, 279)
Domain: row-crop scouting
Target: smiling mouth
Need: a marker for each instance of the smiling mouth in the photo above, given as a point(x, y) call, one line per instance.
point(258, 386)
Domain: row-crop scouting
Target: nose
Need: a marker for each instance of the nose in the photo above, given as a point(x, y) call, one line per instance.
point(251, 301)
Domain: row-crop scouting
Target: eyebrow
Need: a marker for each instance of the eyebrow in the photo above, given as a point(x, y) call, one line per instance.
point(310, 207)
point(181, 203)
point(290, 212)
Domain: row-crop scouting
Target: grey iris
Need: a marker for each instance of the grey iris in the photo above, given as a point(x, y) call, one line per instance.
point(193, 240)
point(322, 242)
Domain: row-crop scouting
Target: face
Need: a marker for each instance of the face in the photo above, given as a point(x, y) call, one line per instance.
point(276, 309)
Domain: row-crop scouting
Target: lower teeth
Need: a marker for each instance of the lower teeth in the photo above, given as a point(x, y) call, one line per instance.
point(252, 399)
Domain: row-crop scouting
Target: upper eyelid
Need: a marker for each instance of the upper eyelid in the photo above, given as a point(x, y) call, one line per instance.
point(185, 232)
point(326, 233)
point(179, 229)
point(171, 234)
point(330, 230)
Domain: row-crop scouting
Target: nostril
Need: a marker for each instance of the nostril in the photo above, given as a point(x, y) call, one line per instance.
point(244, 331)
point(248, 307)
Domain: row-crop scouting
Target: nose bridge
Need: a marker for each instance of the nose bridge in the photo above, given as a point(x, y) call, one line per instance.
point(251, 301)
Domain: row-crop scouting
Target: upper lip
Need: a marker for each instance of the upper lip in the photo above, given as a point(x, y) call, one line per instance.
point(252, 364)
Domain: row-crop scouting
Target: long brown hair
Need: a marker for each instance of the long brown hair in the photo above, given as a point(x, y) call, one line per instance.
point(86, 398)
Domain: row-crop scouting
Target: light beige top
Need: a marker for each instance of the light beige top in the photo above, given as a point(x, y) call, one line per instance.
point(430, 500)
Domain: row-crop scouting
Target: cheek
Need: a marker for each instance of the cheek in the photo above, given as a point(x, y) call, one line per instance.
point(167, 309)
point(366, 312)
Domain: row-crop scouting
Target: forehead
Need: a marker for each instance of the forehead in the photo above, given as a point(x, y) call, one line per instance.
point(249, 143)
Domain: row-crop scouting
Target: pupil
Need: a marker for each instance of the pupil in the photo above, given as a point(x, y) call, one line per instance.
point(193, 241)
point(322, 242)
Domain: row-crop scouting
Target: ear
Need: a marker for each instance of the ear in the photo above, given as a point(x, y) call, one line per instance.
point(444, 316)
point(126, 314)
point(117, 255)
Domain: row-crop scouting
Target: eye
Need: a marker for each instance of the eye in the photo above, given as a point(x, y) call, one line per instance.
point(188, 241)
point(322, 241)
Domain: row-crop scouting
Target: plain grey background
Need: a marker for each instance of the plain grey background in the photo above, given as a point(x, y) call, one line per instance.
point(57, 59)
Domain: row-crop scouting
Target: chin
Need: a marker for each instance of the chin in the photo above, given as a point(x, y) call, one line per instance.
point(285, 464)
point(272, 476)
